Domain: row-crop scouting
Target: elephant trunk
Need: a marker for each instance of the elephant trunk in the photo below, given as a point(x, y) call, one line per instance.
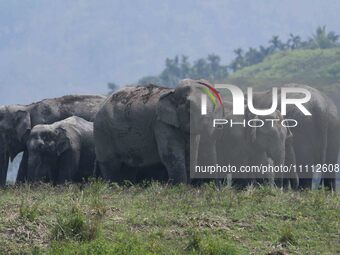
point(37, 171)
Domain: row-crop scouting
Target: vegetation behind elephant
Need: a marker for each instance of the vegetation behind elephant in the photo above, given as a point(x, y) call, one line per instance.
point(316, 137)
point(242, 145)
point(143, 126)
point(63, 151)
point(16, 122)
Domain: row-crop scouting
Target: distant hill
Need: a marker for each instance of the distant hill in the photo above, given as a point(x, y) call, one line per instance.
point(318, 68)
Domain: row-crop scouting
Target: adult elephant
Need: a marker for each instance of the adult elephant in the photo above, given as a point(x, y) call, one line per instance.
point(143, 126)
point(16, 122)
point(62, 151)
point(253, 140)
point(317, 136)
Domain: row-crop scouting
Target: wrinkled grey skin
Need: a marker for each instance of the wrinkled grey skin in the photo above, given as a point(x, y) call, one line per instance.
point(16, 122)
point(242, 146)
point(62, 151)
point(316, 138)
point(142, 126)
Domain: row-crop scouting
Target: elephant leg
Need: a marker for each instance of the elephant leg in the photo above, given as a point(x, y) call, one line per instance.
point(332, 157)
point(23, 168)
point(171, 149)
point(305, 183)
point(280, 182)
point(294, 182)
point(96, 170)
point(68, 166)
point(4, 160)
point(110, 170)
point(285, 183)
point(330, 183)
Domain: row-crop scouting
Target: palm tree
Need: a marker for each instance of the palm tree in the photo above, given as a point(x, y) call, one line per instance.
point(253, 56)
point(238, 62)
point(214, 62)
point(238, 52)
point(323, 40)
point(276, 43)
point(185, 67)
point(294, 41)
point(265, 51)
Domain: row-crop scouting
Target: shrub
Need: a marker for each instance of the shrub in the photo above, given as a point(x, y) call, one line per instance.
point(76, 226)
point(212, 245)
point(287, 236)
point(28, 212)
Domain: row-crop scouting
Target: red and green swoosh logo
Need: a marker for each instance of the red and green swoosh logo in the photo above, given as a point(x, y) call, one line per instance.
point(212, 93)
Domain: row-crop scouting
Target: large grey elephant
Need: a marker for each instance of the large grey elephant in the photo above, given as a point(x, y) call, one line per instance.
point(62, 151)
point(244, 145)
point(143, 126)
point(316, 137)
point(16, 122)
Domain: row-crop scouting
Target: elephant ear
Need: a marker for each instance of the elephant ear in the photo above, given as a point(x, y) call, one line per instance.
point(63, 142)
point(23, 125)
point(166, 110)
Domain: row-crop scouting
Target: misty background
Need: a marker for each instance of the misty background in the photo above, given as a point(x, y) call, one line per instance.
point(53, 48)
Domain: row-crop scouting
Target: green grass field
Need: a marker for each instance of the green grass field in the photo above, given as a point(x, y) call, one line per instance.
point(160, 219)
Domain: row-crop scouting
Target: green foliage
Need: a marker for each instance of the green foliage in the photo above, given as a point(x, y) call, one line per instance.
point(320, 40)
point(287, 236)
point(210, 68)
point(74, 225)
point(122, 245)
point(28, 211)
point(180, 68)
point(323, 40)
point(211, 245)
point(319, 68)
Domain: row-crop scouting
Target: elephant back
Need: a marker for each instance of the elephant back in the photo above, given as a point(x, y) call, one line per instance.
point(49, 111)
point(136, 103)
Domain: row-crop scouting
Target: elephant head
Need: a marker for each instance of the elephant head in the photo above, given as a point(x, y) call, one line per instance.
point(15, 123)
point(44, 145)
point(271, 137)
point(181, 107)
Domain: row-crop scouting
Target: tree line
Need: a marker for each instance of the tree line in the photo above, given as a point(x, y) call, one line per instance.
point(210, 68)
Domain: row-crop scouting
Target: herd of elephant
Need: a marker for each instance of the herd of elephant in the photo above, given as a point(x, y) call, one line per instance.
point(146, 132)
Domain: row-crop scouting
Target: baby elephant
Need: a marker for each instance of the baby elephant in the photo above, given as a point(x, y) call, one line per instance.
point(63, 151)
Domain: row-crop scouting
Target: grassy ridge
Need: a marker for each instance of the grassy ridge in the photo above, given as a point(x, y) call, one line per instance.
point(319, 68)
point(159, 219)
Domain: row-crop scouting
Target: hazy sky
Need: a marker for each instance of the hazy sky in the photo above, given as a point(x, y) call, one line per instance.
point(52, 48)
